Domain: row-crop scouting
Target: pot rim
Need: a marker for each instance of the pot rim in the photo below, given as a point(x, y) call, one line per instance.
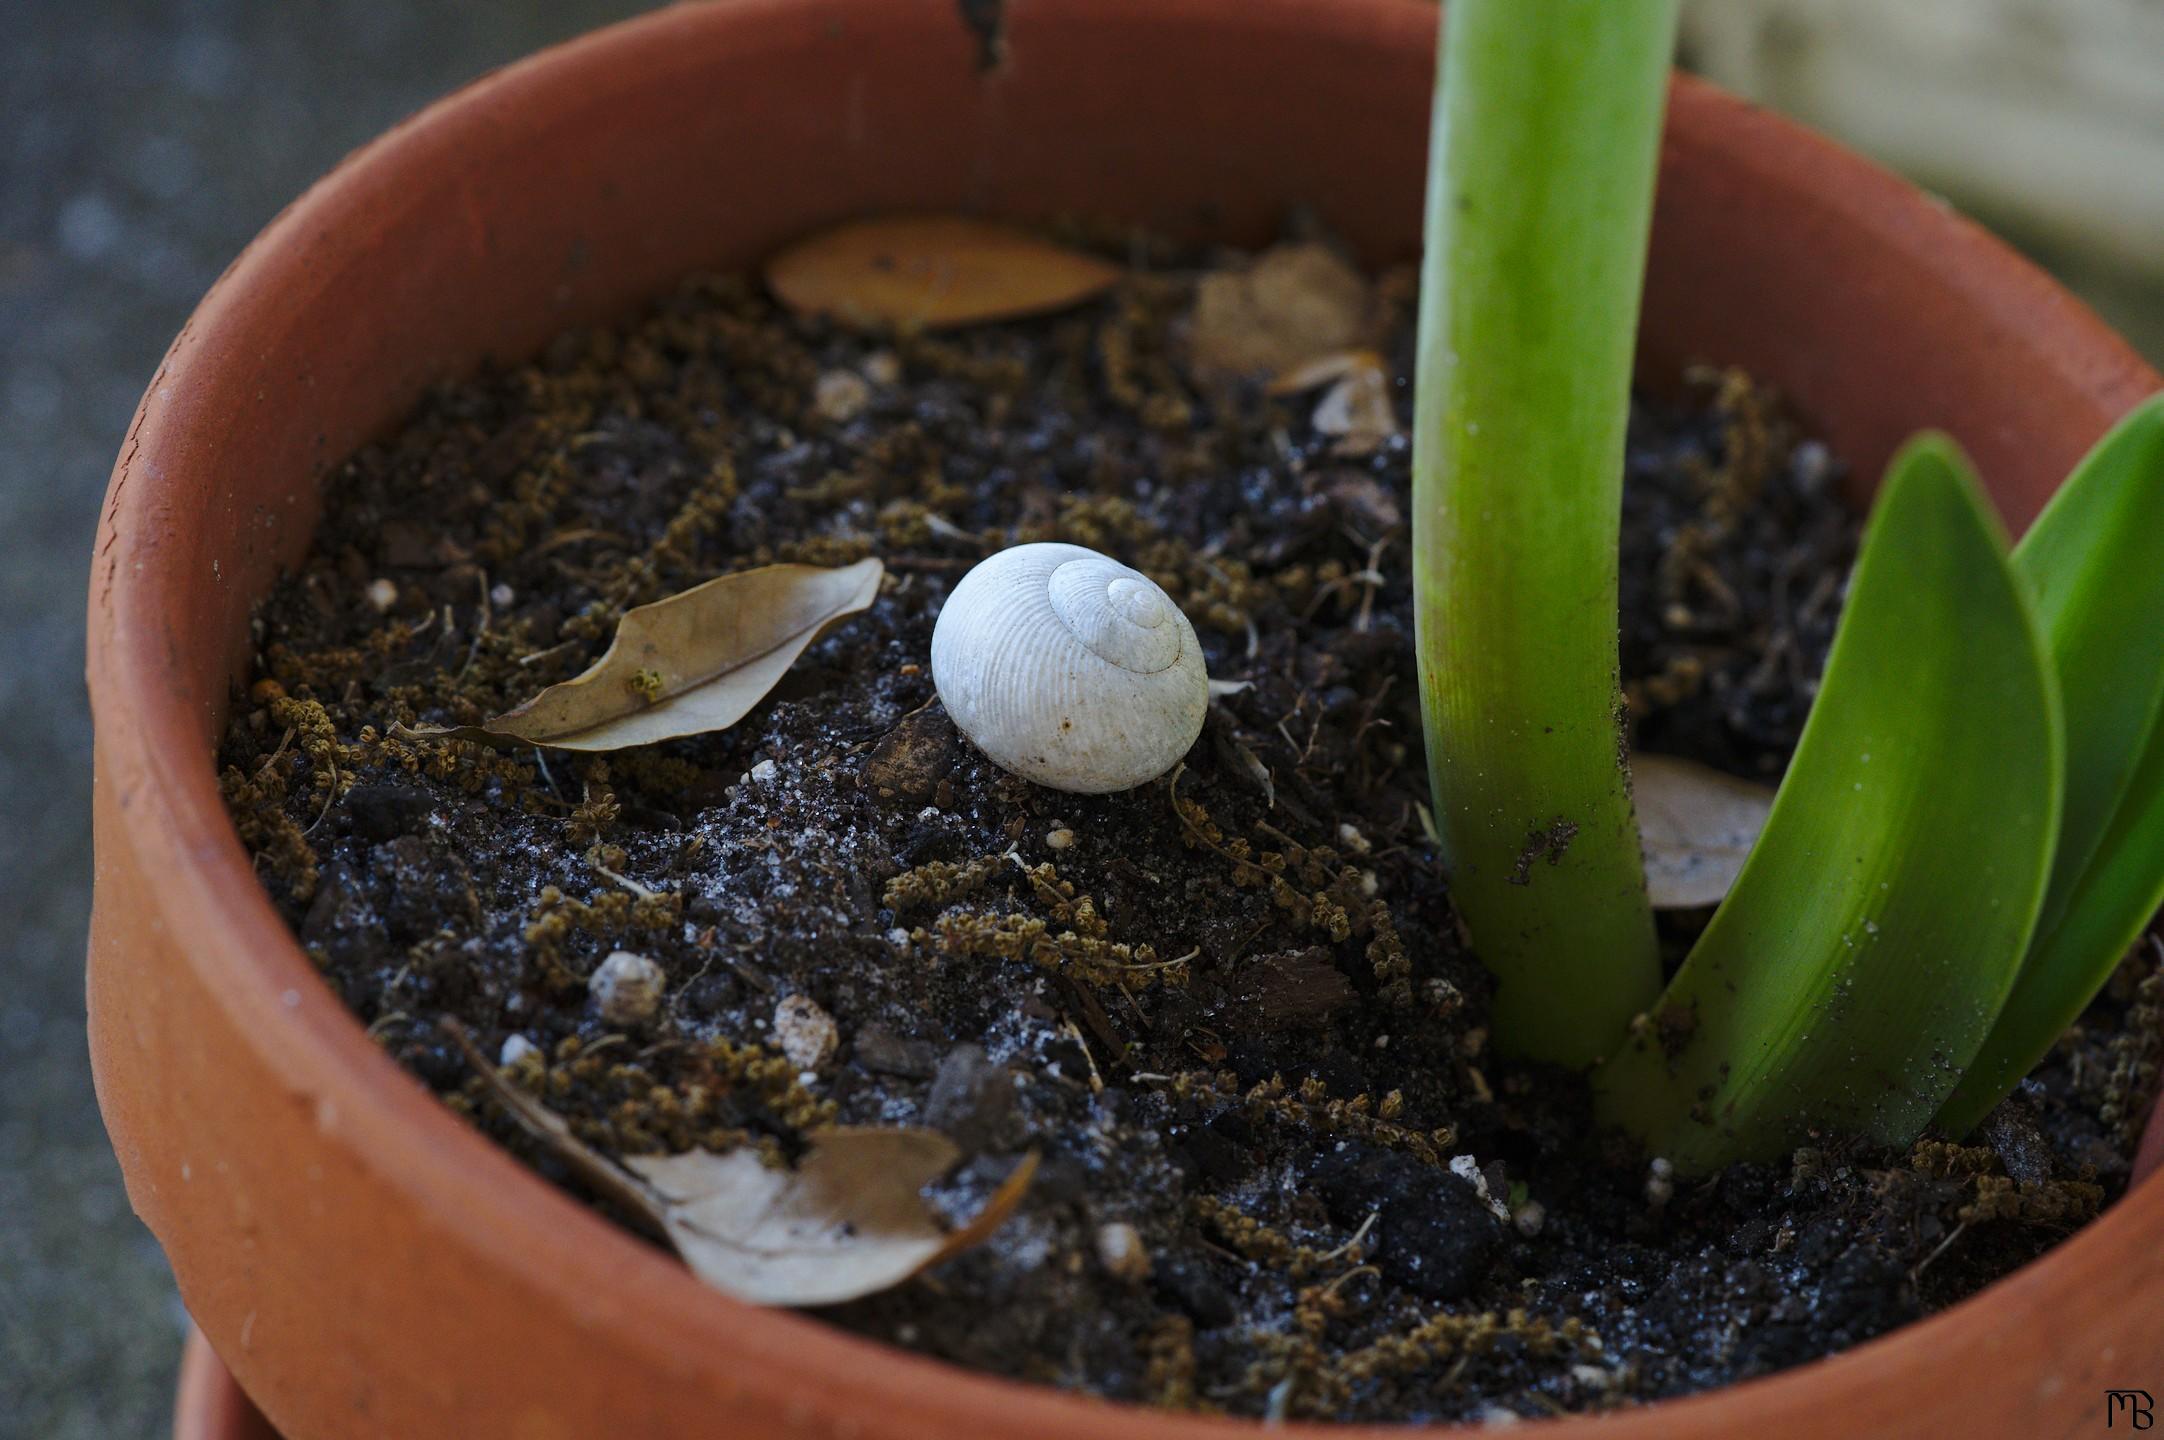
point(149, 739)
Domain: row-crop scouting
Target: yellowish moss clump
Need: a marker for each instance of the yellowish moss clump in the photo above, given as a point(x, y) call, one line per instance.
point(612, 917)
point(1071, 937)
point(1313, 888)
point(904, 524)
point(1266, 1245)
point(1002, 374)
point(593, 817)
point(828, 550)
point(940, 883)
point(1169, 1364)
point(1310, 1105)
point(1134, 349)
point(1087, 956)
point(1317, 1385)
point(1944, 1160)
point(257, 805)
point(1442, 1338)
point(666, 1103)
point(2130, 1089)
point(2053, 1203)
point(1992, 1196)
point(1086, 950)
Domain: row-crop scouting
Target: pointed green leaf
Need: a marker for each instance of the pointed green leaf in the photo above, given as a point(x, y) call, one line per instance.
point(2094, 561)
point(1866, 948)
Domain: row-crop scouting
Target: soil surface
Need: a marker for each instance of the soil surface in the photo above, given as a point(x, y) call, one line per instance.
point(1281, 1173)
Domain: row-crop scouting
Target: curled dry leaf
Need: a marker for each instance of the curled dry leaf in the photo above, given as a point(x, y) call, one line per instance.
point(1356, 408)
point(1293, 305)
point(1697, 826)
point(847, 1222)
point(695, 662)
point(931, 272)
point(1320, 370)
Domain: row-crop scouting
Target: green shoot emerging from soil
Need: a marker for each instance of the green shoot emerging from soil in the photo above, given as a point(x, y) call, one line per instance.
point(1877, 926)
point(1540, 194)
point(1971, 832)
point(2094, 561)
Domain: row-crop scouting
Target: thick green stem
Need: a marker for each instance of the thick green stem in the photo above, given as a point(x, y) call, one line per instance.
point(1540, 186)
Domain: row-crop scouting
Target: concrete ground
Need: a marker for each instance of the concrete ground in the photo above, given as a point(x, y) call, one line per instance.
point(141, 143)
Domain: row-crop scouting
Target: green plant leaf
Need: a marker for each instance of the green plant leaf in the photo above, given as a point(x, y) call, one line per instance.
point(1877, 927)
point(2094, 561)
point(1540, 187)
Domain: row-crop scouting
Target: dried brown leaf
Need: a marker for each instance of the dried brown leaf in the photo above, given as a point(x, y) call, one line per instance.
point(1294, 304)
point(931, 272)
point(1697, 826)
point(1357, 410)
point(1321, 370)
point(695, 662)
point(847, 1222)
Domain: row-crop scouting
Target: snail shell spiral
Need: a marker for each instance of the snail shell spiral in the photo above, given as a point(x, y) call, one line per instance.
point(1069, 669)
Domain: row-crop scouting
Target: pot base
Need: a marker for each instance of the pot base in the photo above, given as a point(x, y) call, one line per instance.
point(210, 1404)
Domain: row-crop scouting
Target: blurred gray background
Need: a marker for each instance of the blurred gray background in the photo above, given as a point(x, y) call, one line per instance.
point(141, 143)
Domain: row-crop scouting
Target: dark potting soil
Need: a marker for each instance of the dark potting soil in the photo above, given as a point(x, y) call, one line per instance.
point(1281, 1172)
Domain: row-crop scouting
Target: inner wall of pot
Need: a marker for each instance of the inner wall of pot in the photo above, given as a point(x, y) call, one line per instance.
point(533, 204)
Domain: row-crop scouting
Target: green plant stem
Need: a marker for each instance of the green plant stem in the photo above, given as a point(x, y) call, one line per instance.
point(1540, 186)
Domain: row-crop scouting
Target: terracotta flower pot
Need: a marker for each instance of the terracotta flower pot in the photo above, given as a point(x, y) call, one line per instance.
point(366, 1264)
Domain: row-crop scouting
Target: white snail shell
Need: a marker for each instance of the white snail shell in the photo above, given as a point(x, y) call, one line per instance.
point(1069, 669)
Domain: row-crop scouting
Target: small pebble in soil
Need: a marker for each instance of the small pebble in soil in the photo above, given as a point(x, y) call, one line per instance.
point(805, 1032)
point(1121, 1251)
point(627, 988)
point(1529, 1217)
point(841, 396)
point(1660, 1182)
